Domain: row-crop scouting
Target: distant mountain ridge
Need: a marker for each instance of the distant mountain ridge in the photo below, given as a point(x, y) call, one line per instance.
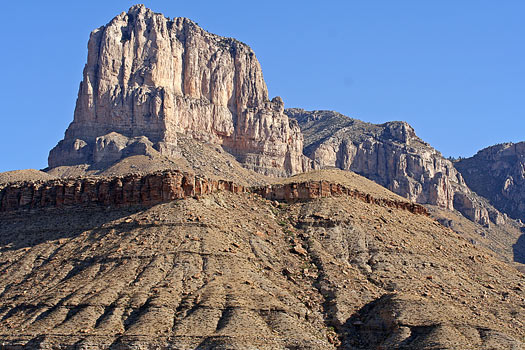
point(392, 155)
point(498, 174)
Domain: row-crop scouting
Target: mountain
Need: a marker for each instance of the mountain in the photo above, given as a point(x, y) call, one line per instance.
point(392, 155)
point(167, 219)
point(152, 85)
point(148, 79)
point(324, 260)
point(498, 174)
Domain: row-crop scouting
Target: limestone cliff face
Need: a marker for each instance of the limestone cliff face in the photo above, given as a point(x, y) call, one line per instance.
point(390, 154)
point(152, 77)
point(498, 174)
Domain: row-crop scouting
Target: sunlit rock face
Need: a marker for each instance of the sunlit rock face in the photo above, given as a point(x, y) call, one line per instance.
point(391, 154)
point(152, 77)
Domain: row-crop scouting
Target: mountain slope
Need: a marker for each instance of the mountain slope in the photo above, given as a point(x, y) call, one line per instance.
point(237, 271)
point(193, 156)
point(390, 154)
point(393, 156)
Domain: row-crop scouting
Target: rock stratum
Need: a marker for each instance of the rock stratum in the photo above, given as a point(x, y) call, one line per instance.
point(149, 78)
point(498, 174)
point(166, 186)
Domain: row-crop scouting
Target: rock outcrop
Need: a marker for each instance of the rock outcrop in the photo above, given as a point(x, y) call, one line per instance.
point(166, 186)
point(134, 189)
point(150, 77)
point(303, 191)
point(392, 155)
point(498, 174)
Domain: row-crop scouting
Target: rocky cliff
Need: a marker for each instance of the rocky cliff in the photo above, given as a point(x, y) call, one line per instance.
point(392, 155)
point(148, 78)
point(498, 174)
point(166, 186)
point(119, 191)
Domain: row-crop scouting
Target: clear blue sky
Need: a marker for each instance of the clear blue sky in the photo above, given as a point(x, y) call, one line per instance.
point(454, 69)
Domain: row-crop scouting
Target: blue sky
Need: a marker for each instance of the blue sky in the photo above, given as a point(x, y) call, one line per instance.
point(455, 70)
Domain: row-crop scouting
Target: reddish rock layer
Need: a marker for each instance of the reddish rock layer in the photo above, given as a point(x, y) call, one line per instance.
point(320, 189)
point(119, 191)
point(163, 187)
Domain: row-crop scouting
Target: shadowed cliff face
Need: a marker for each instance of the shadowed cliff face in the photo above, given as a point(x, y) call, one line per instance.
point(148, 78)
point(519, 249)
point(498, 174)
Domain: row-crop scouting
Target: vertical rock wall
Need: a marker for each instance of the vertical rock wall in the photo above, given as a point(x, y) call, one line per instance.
point(147, 75)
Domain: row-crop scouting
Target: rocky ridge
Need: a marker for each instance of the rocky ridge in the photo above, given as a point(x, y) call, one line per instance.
point(498, 174)
point(392, 155)
point(148, 78)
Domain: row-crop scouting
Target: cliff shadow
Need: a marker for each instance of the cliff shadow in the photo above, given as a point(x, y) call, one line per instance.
point(518, 248)
point(375, 326)
point(28, 228)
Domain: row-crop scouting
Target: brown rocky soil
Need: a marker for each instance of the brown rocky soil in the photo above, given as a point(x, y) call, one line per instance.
point(24, 175)
point(503, 239)
point(192, 156)
point(236, 271)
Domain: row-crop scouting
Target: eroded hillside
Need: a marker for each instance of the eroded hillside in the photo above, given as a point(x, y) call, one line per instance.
point(238, 271)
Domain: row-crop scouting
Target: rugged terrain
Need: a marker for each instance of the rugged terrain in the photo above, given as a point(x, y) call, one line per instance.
point(333, 272)
point(498, 174)
point(392, 155)
point(148, 78)
point(156, 89)
point(166, 219)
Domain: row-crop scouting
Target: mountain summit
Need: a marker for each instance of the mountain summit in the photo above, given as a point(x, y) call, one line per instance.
point(149, 78)
point(152, 230)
